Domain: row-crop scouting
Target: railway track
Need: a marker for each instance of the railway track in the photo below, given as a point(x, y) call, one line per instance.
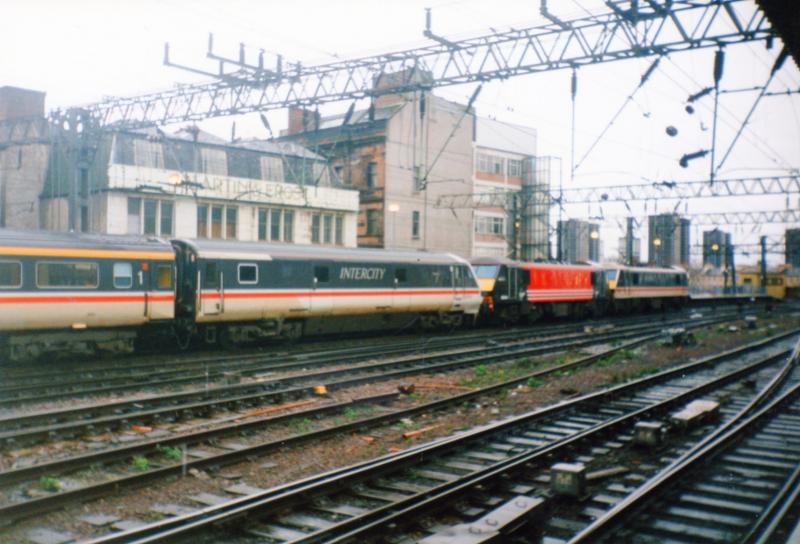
point(210, 370)
point(222, 453)
point(72, 382)
point(365, 496)
point(28, 428)
point(741, 484)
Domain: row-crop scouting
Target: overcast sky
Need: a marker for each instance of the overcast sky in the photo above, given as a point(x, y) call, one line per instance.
point(83, 50)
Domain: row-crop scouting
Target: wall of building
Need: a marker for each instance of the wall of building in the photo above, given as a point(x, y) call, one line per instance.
point(22, 175)
point(22, 167)
point(440, 229)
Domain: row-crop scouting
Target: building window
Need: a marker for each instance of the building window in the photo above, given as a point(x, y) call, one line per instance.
point(149, 216)
point(322, 228)
point(339, 230)
point(148, 154)
point(166, 218)
point(272, 168)
point(214, 161)
point(230, 223)
point(216, 221)
point(263, 222)
point(288, 226)
point(491, 164)
point(338, 171)
point(419, 183)
point(373, 218)
point(315, 225)
point(327, 224)
point(372, 174)
point(150, 212)
point(490, 225)
point(222, 222)
point(202, 221)
point(415, 225)
point(514, 168)
point(275, 225)
point(134, 215)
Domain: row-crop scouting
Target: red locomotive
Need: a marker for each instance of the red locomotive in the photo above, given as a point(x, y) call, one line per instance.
point(514, 291)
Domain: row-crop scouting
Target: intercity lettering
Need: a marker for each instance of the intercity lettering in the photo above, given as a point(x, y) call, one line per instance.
point(361, 273)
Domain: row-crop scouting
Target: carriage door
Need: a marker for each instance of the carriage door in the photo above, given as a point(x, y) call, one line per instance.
point(321, 299)
point(458, 286)
point(211, 294)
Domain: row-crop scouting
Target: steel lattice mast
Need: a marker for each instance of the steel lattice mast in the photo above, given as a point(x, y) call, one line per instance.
point(630, 29)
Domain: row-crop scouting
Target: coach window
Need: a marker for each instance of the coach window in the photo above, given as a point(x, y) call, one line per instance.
point(248, 273)
point(400, 275)
point(322, 274)
point(80, 275)
point(10, 275)
point(123, 275)
point(164, 276)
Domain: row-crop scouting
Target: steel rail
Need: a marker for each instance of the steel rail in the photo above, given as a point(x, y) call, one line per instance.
point(728, 435)
point(43, 504)
point(447, 494)
point(242, 507)
point(19, 428)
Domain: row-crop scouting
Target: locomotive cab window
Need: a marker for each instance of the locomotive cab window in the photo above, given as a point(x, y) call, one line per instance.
point(164, 276)
point(488, 272)
point(65, 274)
point(248, 273)
point(123, 275)
point(10, 275)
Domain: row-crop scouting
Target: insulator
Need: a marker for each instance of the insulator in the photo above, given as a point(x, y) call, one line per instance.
point(719, 65)
point(672, 131)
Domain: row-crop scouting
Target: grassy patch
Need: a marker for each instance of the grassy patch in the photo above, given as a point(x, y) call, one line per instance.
point(140, 462)
point(169, 452)
point(616, 357)
point(634, 375)
point(302, 426)
point(48, 483)
point(535, 382)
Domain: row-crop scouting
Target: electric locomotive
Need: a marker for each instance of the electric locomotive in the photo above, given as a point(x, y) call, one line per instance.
point(515, 291)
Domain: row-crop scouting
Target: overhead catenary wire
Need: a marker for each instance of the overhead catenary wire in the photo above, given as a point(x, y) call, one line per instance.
point(784, 54)
point(614, 118)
